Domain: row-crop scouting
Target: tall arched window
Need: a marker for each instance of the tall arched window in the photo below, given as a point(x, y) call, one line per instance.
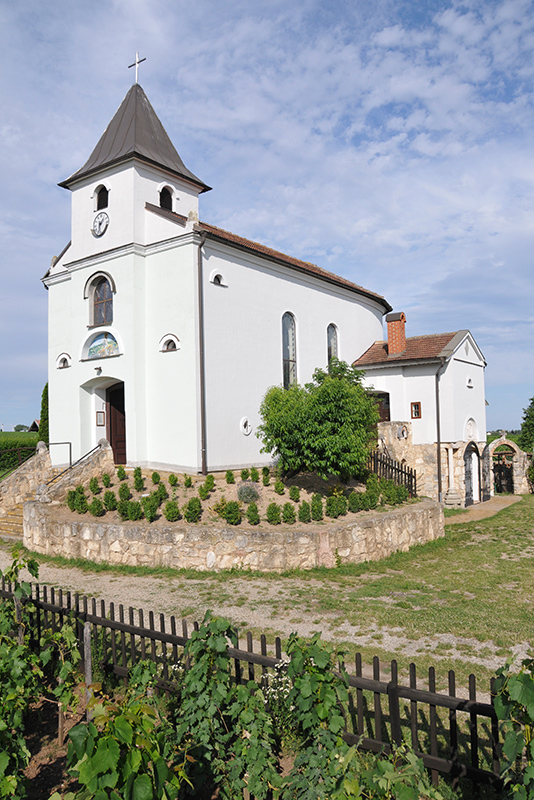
point(102, 303)
point(331, 342)
point(165, 199)
point(102, 198)
point(289, 350)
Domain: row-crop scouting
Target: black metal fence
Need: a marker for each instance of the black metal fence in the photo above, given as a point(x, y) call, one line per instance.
point(455, 735)
point(386, 467)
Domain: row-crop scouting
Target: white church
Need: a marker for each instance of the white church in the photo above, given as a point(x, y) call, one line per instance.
point(165, 331)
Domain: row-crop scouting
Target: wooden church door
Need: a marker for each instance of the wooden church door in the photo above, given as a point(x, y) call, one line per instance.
point(117, 422)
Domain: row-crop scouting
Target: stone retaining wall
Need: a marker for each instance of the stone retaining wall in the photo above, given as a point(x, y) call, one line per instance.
point(91, 467)
point(23, 482)
point(373, 535)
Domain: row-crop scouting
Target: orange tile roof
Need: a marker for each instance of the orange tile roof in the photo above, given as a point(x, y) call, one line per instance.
point(417, 348)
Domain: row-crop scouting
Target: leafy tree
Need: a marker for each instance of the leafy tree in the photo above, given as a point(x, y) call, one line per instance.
point(526, 436)
point(43, 423)
point(20, 428)
point(326, 426)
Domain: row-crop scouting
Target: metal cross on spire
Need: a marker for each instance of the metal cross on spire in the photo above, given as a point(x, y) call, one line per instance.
point(136, 65)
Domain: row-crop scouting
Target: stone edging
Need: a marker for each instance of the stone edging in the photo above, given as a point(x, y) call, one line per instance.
point(372, 536)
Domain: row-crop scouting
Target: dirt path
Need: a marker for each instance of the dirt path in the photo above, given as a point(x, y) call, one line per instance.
point(483, 510)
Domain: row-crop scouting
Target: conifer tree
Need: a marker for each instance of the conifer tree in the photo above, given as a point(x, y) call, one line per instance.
point(526, 436)
point(43, 422)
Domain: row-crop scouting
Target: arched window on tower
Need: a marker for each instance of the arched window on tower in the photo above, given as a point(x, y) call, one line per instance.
point(165, 199)
point(102, 303)
point(289, 350)
point(331, 342)
point(102, 198)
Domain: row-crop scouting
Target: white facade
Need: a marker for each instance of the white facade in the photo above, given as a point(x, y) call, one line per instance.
point(462, 401)
point(217, 298)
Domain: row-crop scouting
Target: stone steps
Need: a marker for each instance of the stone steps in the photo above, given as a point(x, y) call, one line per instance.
point(11, 524)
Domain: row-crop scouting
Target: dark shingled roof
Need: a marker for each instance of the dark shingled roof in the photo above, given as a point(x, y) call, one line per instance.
point(418, 348)
point(135, 131)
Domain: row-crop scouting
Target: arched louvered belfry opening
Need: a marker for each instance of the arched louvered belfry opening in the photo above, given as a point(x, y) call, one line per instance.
point(102, 198)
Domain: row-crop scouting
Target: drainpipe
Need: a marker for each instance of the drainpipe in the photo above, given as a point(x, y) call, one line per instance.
point(202, 359)
point(438, 429)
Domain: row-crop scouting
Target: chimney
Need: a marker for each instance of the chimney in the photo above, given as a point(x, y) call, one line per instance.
point(396, 333)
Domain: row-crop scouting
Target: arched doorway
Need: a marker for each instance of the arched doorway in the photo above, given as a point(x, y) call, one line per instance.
point(472, 474)
point(116, 421)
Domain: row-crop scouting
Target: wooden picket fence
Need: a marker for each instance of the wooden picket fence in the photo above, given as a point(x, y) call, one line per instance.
point(386, 467)
point(454, 735)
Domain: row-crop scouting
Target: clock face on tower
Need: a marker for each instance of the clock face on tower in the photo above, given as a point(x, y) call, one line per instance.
point(100, 224)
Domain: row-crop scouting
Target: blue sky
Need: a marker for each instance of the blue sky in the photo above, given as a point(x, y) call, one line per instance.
point(391, 143)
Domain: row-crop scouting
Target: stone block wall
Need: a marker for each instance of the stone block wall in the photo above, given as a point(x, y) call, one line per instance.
point(91, 467)
point(24, 481)
point(373, 535)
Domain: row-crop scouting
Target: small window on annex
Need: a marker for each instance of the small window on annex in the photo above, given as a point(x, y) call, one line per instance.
point(416, 410)
point(165, 199)
point(289, 350)
point(102, 198)
point(102, 303)
point(331, 342)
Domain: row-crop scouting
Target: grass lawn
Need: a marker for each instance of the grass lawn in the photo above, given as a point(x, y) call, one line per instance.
point(463, 602)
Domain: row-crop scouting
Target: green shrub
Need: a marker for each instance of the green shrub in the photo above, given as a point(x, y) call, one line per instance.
point(317, 507)
point(106, 480)
point(220, 506)
point(388, 491)
point(122, 508)
point(304, 512)
point(266, 479)
point(402, 494)
point(137, 472)
point(135, 510)
point(232, 513)
point(254, 475)
point(332, 508)
point(266, 472)
point(121, 473)
point(294, 493)
point(230, 476)
point(365, 501)
point(80, 502)
point(248, 493)
point(193, 510)
point(355, 504)
point(94, 488)
point(124, 491)
point(173, 480)
point(110, 501)
point(288, 513)
point(342, 505)
point(172, 511)
point(253, 516)
point(139, 483)
point(96, 508)
point(188, 482)
point(373, 490)
point(156, 478)
point(210, 483)
point(245, 474)
point(203, 491)
point(279, 487)
point(71, 499)
point(150, 507)
point(161, 493)
point(274, 513)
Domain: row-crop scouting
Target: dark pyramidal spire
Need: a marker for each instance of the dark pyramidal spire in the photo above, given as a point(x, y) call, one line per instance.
point(135, 132)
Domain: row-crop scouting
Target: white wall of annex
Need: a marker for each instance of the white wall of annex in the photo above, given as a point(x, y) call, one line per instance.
point(407, 385)
point(243, 334)
point(463, 398)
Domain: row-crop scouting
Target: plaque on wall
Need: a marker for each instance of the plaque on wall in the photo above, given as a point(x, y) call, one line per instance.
point(100, 418)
